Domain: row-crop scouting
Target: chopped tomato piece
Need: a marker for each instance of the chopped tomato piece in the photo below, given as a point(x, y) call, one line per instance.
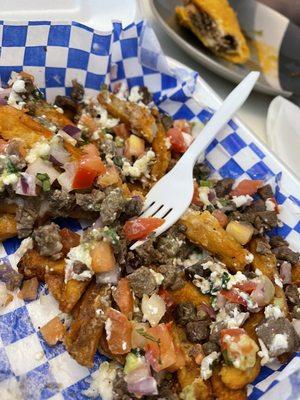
point(103, 259)
point(233, 297)
point(160, 349)
point(140, 228)
point(53, 331)
point(124, 298)
point(247, 186)
point(183, 125)
point(87, 121)
point(235, 333)
point(221, 217)
point(118, 332)
point(166, 296)
point(111, 177)
point(69, 239)
point(121, 131)
point(89, 166)
point(177, 140)
point(247, 287)
point(29, 289)
point(196, 199)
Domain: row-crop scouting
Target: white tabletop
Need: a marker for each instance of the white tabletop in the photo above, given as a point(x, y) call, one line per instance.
point(253, 113)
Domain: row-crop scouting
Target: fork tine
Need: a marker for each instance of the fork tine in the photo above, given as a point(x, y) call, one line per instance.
point(152, 210)
point(162, 212)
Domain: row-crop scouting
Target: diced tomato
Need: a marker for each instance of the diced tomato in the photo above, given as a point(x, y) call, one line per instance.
point(69, 239)
point(233, 297)
point(196, 199)
point(90, 165)
point(121, 131)
point(162, 355)
point(183, 125)
point(111, 177)
point(166, 296)
point(103, 259)
point(247, 287)
point(177, 140)
point(221, 217)
point(119, 332)
point(140, 228)
point(124, 298)
point(247, 186)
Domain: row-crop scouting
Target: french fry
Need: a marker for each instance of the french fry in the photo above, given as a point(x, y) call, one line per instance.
point(8, 208)
point(15, 124)
point(8, 226)
point(86, 329)
point(296, 274)
point(236, 379)
point(42, 108)
point(55, 285)
point(222, 392)
point(204, 230)
point(138, 118)
point(71, 293)
point(189, 293)
point(163, 155)
point(33, 264)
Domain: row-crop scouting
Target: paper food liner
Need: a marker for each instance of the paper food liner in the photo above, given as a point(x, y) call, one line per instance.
point(56, 53)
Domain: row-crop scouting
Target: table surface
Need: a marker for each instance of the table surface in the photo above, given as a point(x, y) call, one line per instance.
point(254, 111)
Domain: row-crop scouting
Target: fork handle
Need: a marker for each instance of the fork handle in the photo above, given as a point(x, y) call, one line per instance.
point(231, 104)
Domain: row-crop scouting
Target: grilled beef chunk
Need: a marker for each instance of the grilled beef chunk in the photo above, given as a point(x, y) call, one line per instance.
point(172, 276)
point(223, 187)
point(196, 331)
point(61, 203)
point(278, 335)
point(48, 241)
point(133, 207)
point(278, 241)
point(142, 282)
point(209, 347)
point(77, 91)
point(286, 254)
point(265, 192)
point(90, 201)
point(112, 206)
point(26, 216)
point(201, 171)
point(9, 276)
point(197, 269)
point(292, 294)
point(184, 313)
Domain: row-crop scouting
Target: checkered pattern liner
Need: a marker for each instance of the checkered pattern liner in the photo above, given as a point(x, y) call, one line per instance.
point(56, 53)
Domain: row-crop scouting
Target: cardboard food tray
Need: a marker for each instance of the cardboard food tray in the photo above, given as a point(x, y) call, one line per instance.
point(55, 53)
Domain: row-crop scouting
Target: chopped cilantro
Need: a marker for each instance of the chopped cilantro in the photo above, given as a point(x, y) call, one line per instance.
point(226, 357)
point(118, 160)
point(44, 181)
point(224, 202)
point(11, 169)
point(147, 335)
point(206, 183)
point(136, 352)
point(111, 235)
point(225, 280)
point(210, 208)
point(119, 142)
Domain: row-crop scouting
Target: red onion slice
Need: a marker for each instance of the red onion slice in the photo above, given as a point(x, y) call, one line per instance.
point(26, 185)
point(209, 310)
point(72, 131)
point(144, 387)
point(286, 272)
point(3, 101)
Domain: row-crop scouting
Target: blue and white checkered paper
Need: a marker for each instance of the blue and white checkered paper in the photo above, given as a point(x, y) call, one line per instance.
point(56, 53)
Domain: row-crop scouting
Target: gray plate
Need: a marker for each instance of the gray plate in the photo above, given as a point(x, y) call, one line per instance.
point(164, 10)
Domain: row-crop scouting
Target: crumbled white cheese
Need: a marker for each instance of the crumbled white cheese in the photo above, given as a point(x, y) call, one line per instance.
point(202, 283)
point(3, 294)
point(167, 143)
point(258, 272)
point(135, 96)
point(279, 342)
point(140, 166)
point(234, 320)
point(105, 121)
point(102, 383)
point(108, 325)
point(270, 205)
point(26, 244)
point(249, 258)
point(264, 353)
point(193, 258)
point(79, 253)
point(273, 311)
point(19, 86)
point(203, 195)
point(40, 149)
point(278, 281)
point(242, 200)
point(157, 276)
point(239, 277)
point(153, 308)
point(122, 92)
point(9, 179)
point(207, 363)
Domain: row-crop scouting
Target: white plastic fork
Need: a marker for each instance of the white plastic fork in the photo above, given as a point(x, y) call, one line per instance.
point(170, 197)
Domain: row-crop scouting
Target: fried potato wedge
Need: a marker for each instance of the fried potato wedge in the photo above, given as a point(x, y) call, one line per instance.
point(8, 208)
point(33, 264)
point(163, 155)
point(71, 293)
point(55, 285)
point(8, 226)
point(15, 124)
point(42, 108)
point(252, 322)
point(189, 293)
point(222, 392)
point(104, 349)
point(296, 274)
point(138, 118)
point(86, 329)
point(266, 263)
point(236, 379)
point(204, 230)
